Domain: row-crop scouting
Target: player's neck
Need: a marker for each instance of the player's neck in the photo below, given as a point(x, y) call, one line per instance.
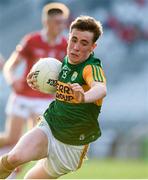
point(52, 38)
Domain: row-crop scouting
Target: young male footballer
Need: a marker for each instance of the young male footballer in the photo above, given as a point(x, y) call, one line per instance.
point(61, 139)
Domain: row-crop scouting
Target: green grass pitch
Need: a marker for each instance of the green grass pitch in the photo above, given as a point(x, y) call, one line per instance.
point(106, 169)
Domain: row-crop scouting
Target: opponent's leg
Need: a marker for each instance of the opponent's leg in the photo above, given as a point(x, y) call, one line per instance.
point(11, 135)
point(32, 146)
point(13, 131)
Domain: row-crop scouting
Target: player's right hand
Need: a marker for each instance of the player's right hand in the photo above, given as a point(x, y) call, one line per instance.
point(31, 81)
point(78, 92)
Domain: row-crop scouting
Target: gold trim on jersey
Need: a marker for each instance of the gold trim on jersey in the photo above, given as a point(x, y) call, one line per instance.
point(93, 73)
point(83, 155)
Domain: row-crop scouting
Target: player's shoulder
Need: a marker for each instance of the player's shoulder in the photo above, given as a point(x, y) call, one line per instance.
point(93, 60)
point(32, 36)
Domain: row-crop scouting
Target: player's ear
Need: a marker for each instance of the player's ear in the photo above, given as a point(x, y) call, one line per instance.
point(93, 47)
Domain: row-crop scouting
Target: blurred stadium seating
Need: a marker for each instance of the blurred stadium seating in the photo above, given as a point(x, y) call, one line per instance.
point(123, 51)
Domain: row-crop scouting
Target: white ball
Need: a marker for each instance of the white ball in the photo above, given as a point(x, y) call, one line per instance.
point(46, 73)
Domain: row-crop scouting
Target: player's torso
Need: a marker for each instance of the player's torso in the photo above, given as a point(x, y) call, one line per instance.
point(69, 74)
point(40, 48)
point(72, 122)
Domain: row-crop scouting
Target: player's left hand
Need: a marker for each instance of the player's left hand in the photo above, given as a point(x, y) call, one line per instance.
point(78, 92)
point(31, 81)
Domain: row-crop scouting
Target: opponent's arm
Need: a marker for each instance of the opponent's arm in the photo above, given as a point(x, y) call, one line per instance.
point(1, 62)
point(22, 51)
point(10, 66)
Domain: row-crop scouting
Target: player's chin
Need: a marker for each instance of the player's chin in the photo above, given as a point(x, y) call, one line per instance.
point(74, 60)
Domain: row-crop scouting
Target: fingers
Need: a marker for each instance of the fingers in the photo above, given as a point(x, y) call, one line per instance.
point(78, 92)
point(30, 75)
point(76, 87)
point(32, 81)
point(79, 96)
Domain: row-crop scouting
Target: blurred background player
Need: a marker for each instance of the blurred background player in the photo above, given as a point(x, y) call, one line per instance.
point(23, 102)
point(1, 62)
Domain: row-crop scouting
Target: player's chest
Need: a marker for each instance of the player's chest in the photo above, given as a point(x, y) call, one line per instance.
point(71, 75)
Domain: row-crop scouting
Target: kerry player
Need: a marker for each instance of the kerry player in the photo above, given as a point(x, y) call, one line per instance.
point(70, 124)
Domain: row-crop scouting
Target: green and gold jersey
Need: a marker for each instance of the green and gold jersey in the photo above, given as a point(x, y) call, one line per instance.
point(72, 122)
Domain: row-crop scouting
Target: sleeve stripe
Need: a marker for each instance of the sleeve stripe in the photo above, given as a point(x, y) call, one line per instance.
point(93, 72)
point(97, 75)
point(101, 75)
point(96, 72)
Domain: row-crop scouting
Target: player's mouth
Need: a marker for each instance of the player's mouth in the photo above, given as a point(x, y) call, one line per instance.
point(74, 55)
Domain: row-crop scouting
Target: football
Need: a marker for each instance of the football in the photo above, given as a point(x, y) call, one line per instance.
point(46, 72)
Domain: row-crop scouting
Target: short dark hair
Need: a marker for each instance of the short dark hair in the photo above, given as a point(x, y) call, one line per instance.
point(54, 9)
point(87, 23)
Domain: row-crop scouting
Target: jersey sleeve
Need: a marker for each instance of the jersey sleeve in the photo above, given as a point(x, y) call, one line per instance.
point(93, 73)
point(24, 46)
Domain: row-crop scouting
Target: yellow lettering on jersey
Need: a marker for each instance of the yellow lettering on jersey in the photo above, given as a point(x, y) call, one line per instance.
point(64, 93)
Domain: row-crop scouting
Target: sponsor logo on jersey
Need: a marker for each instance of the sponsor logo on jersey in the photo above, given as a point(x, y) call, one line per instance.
point(64, 93)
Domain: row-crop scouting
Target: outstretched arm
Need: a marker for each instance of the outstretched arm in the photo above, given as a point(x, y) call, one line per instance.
point(94, 77)
point(97, 91)
point(9, 70)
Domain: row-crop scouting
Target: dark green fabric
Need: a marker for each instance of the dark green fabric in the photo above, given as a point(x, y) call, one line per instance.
point(74, 123)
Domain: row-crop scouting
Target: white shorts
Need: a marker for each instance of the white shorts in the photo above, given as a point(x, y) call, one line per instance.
point(25, 106)
point(62, 158)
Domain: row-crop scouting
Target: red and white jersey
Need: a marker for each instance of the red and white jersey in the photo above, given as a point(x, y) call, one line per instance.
point(33, 47)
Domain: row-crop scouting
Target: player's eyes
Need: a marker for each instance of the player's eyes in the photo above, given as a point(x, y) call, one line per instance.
point(74, 40)
point(84, 44)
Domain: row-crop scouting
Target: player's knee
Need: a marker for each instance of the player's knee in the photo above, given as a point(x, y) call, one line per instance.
point(15, 158)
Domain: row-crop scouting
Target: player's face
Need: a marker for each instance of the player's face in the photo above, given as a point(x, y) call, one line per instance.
point(55, 24)
point(80, 46)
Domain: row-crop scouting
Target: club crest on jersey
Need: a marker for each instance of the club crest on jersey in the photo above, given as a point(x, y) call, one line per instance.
point(74, 76)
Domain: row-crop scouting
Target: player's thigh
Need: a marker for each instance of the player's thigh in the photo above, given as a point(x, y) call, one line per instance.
point(38, 172)
point(14, 127)
point(31, 146)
